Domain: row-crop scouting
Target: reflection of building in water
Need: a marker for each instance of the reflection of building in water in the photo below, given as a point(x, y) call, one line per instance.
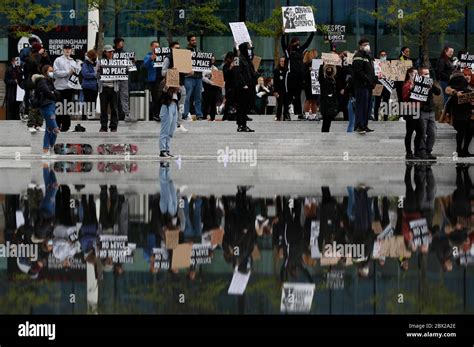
point(277, 239)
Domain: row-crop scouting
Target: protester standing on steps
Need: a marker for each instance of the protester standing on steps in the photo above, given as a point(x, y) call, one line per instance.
point(153, 78)
point(108, 91)
point(385, 96)
point(279, 75)
point(89, 82)
point(364, 82)
point(210, 95)
point(412, 121)
point(13, 80)
point(64, 68)
point(310, 104)
point(244, 81)
point(193, 84)
point(329, 102)
point(444, 69)
point(428, 120)
point(294, 53)
point(229, 109)
point(123, 105)
point(46, 96)
point(404, 56)
point(169, 118)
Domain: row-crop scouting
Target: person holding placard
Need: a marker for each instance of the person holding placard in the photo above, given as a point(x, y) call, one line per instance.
point(262, 93)
point(210, 95)
point(244, 81)
point(123, 94)
point(64, 68)
point(193, 85)
point(412, 122)
point(279, 75)
point(108, 91)
point(329, 100)
point(385, 96)
point(364, 83)
point(294, 54)
point(311, 102)
point(13, 81)
point(153, 78)
point(169, 118)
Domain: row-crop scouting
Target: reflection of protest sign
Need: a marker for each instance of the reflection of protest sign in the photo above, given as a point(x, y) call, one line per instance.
point(297, 297)
point(466, 61)
point(256, 62)
point(172, 78)
point(465, 98)
point(218, 78)
point(162, 261)
point(114, 69)
point(335, 33)
point(182, 256)
point(201, 254)
point(115, 247)
point(161, 53)
point(388, 84)
point(201, 61)
point(377, 91)
point(239, 283)
point(419, 228)
point(298, 19)
point(56, 270)
point(335, 279)
point(421, 88)
point(331, 59)
point(182, 59)
point(240, 32)
point(171, 239)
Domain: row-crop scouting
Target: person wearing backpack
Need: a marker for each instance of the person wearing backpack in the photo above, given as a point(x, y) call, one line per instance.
point(329, 104)
point(45, 98)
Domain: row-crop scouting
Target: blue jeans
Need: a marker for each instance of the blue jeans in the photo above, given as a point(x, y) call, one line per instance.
point(49, 114)
point(193, 88)
point(169, 119)
point(350, 109)
point(443, 85)
point(48, 204)
point(363, 107)
point(193, 228)
point(168, 196)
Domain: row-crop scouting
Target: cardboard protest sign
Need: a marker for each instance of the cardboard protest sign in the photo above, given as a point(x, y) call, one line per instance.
point(256, 62)
point(240, 33)
point(331, 59)
point(114, 69)
point(399, 69)
point(334, 33)
point(115, 247)
point(162, 261)
point(421, 88)
point(297, 297)
point(465, 98)
point(182, 256)
point(385, 69)
point(202, 62)
point(217, 236)
point(466, 61)
point(171, 239)
point(377, 91)
point(239, 283)
point(298, 19)
point(218, 78)
point(182, 59)
point(377, 226)
point(161, 53)
point(172, 78)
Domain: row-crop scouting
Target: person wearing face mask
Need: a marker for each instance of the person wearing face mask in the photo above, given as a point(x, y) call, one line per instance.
point(279, 75)
point(89, 79)
point(64, 68)
point(294, 82)
point(47, 96)
point(385, 96)
point(444, 69)
point(13, 79)
point(244, 82)
point(193, 85)
point(364, 82)
point(412, 123)
point(108, 91)
point(329, 99)
point(428, 121)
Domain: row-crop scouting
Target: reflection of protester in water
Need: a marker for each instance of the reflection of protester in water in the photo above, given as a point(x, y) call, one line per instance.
point(89, 228)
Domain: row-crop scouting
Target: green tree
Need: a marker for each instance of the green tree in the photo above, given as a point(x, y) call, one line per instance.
point(25, 16)
point(422, 18)
point(171, 18)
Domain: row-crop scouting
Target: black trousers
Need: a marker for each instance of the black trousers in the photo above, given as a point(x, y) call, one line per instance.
point(385, 97)
point(13, 110)
point(464, 134)
point(153, 87)
point(64, 119)
point(209, 101)
point(108, 97)
point(413, 125)
point(327, 120)
point(90, 98)
point(293, 96)
point(243, 98)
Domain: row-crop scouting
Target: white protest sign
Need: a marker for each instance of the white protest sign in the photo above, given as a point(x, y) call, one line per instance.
point(20, 93)
point(240, 32)
point(239, 283)
point(298, 19)
point(331, 59)
point(297, 297)
point(315, 85)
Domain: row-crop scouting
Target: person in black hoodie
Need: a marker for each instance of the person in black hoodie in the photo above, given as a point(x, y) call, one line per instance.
point(461, 113)
point(244, 82)
point(294, 82)
point(444, 69)
point(47, 96)
point(279, 75)
point(13, 79)
point(364, 83)
point(229, 109)
point(329, 103)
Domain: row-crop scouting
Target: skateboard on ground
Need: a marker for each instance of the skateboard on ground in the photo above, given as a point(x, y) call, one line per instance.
point(117, 167)
point(117, 149)
point(72, 149)
point(70, 166)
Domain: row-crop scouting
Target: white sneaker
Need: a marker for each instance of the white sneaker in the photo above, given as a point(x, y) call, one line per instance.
point(41, 129)
point(32, 130)
point(182, 129)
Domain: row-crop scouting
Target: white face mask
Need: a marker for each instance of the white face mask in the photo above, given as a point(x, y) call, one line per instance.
point(383, 58)
point(249, 52)
point(367, 48)
point(51, 74)
point(426, 75)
